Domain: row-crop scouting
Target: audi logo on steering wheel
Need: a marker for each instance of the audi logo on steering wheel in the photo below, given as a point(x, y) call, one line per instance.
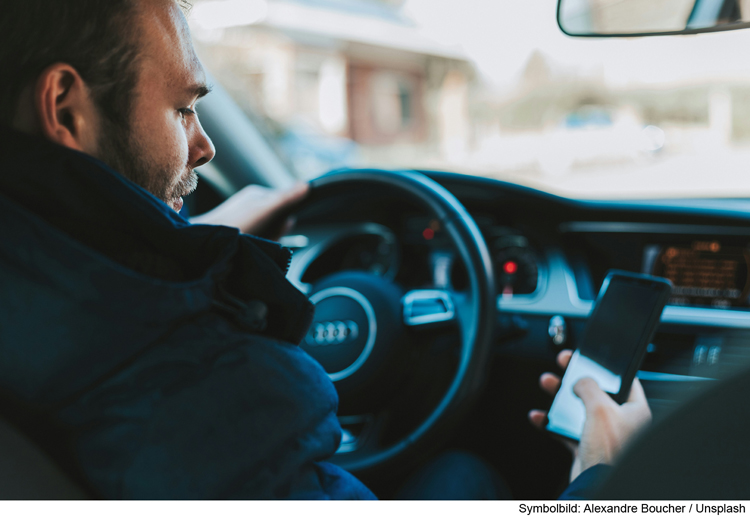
point(332, 332)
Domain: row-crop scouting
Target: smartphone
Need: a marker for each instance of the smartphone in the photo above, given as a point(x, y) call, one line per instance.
point(613, 345)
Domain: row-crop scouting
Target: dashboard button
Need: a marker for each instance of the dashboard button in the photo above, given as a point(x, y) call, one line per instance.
point(558, 330)
point(699, 356)
point(713, 355)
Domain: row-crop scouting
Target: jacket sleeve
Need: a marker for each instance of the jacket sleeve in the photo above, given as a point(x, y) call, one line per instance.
point(213, 414)
point(330, 482)
point(584, 487)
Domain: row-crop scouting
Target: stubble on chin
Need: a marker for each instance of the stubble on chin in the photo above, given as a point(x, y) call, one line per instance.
point(184, 186)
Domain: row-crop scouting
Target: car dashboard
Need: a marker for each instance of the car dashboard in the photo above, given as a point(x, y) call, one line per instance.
point(550, 256)
point(702, 246)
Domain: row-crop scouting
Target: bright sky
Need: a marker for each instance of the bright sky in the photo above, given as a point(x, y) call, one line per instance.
point(500, 35)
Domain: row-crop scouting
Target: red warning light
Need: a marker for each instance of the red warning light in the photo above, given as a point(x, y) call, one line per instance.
point(510, 267)
point(428, 234)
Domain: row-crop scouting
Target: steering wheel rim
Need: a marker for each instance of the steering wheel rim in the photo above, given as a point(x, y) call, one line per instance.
point(477, 336)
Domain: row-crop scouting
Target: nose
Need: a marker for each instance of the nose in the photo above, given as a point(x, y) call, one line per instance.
point(201, 147)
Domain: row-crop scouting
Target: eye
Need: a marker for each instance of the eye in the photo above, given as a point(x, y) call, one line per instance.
point(186, 112)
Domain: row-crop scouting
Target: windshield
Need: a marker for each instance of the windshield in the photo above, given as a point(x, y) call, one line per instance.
point(485, 87)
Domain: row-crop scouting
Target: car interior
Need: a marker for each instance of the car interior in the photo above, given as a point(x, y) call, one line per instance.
point(472, 285)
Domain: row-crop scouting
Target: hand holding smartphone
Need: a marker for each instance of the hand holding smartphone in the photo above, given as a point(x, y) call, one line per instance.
point(624, 319)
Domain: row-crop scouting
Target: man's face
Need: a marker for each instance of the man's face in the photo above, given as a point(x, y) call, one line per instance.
point(165, 141)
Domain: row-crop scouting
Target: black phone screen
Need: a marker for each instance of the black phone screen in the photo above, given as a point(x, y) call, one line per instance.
point(614, 332)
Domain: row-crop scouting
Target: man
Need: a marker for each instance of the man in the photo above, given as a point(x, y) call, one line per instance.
point(159, 356)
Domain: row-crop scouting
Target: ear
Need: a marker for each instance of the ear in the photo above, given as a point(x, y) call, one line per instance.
point(65, 109)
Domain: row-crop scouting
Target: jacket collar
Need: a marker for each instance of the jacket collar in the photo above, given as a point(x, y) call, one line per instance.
point(81, 196)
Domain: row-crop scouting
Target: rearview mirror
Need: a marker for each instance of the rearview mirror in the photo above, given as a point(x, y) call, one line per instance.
point(638, 18)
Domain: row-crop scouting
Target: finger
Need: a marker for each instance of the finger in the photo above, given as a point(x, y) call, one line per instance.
point(590, 393)
point(271, 220)
point(288, 197)
point(549, 383)
point(254, 191)
point(538, 418)
point(637, 395)
point(563, 358)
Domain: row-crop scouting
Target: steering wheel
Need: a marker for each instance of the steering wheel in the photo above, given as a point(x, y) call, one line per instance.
point(361, 318)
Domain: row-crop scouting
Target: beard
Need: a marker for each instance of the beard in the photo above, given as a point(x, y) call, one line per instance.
point(122, 151)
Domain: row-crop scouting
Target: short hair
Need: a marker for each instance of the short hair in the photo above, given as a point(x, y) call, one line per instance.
point(99, 38)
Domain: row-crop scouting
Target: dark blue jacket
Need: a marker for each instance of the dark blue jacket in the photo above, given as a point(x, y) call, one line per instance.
point(153, 358)
point(586, 485)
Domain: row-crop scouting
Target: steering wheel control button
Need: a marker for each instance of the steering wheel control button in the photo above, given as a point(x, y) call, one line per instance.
point(558, 330)
point(343, 331)
point(422, 307)
point(353, 430)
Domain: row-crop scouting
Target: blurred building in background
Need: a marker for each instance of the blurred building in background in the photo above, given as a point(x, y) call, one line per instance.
point(339, 82)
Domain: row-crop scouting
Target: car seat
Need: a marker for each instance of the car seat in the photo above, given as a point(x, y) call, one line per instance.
point(700, 451)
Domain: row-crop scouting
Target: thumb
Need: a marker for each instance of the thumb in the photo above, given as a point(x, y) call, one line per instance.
point(637, 395)
point(590, 393)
